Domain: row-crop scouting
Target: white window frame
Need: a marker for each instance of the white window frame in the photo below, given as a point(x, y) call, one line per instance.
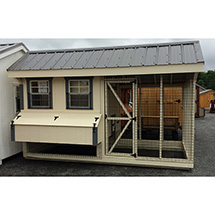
point(79, 92)
point(39, 93)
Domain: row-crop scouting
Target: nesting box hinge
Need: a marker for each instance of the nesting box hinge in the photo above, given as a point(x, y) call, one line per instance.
point(18, 117)
point(135, 155)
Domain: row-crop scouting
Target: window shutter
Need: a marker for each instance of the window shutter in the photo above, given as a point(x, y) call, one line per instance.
point(67, 93)
point(91, 93)
point(50, 93)
point(21, 97)
point(28, 93)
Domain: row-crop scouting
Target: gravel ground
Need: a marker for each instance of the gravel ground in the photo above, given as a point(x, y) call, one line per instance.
point(204, 161)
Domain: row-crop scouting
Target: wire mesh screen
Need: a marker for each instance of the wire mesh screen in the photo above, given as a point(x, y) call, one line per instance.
point(149, 121)
point(166, 120)
point(173, 113)
point(119, 107)
point(165, 116)
point(188, 97)
point(173, 120)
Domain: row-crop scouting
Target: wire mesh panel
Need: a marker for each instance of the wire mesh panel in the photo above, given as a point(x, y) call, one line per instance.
point(188, 98)
point(120, 114)
point(149, 121)
point(173, 120)
point(173, 113)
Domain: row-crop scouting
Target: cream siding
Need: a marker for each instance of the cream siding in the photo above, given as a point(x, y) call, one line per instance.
point(59, 97)
point(72, 126)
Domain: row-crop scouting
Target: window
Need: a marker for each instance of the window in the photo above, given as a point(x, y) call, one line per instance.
point(39, 93)
point(79, 94)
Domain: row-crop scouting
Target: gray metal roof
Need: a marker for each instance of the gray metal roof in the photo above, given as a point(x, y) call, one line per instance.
point(111, 57)
point(9, 46)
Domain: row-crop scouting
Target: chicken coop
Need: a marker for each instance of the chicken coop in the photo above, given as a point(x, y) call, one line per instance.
point(205, 98)
point(130, 105)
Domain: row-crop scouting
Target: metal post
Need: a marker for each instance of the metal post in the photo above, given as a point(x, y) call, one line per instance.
point(106, 120)
point(193, 115)
point(140, 112)
point(135, 121)
point(161, 116)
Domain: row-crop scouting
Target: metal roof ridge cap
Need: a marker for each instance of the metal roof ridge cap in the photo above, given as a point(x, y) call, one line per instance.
point(116, 47)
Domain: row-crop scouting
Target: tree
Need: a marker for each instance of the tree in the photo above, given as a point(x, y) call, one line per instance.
point(207, 79)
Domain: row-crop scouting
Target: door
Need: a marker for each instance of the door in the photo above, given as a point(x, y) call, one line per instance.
point(121, 117)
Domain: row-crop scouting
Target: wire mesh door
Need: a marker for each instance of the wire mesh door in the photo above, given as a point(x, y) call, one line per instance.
point(121, 117)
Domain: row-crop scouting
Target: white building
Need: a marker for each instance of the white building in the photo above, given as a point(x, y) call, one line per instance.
point(9, 53)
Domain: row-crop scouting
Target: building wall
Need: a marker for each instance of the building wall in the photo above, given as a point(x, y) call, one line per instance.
point(7, 106)
point(43, 130)
point(205, 99)
point(59, 97)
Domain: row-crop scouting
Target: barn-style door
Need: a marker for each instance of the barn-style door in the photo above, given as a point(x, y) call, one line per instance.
point(121, 117)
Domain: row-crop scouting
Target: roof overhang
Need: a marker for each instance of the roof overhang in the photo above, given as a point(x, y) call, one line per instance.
point(13, 49)
point(142, 70)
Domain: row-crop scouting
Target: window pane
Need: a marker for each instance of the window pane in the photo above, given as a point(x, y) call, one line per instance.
point(74, 100)
point(73, 90)
point(34, 90)
point(84, 100)
point(84, 83)
point(43, 87)
point(43, 90)
point(34, 84)
point(40, 100)
point(79, 100)
point(43, 84)
point(84, 90)
point(35, 100)
point(74, 83)
point(45, 100)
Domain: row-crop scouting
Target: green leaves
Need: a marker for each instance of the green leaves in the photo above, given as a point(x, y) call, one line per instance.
point(207, 79)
